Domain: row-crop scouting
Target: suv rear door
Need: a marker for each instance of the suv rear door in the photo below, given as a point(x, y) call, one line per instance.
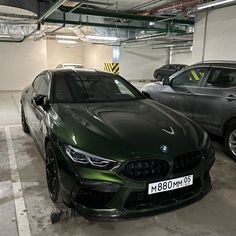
point(183, 87)
point(216, 99)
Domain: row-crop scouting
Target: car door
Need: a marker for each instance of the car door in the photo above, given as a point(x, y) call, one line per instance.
point(40, 112)
point(29, 105)
point(216, 99)
point(183, 87)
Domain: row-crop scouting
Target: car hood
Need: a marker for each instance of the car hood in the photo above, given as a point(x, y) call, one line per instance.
point(125, 129)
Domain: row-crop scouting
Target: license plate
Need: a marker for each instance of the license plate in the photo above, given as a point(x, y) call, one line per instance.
point(170, 184)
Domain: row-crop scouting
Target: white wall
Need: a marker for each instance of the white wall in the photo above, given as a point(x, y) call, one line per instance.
point(96, 55)
point(58, 53)
point(180, 57)
point(20, 63)
point(220, 36)
point(139, 63)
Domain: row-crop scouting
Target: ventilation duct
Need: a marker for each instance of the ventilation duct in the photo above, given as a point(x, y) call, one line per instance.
point(23, 7)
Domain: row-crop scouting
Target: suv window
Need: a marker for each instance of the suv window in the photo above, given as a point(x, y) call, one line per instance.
point(222, 77)
point(190, 77)
point(44, 87)
point(166, 67)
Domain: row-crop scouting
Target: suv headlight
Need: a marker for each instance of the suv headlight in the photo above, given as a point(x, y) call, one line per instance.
point(87, 159)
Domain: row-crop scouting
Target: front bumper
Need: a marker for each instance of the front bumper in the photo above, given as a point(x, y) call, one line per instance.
point(104, 195)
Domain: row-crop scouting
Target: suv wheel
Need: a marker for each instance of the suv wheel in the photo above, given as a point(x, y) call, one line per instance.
point(230, 140)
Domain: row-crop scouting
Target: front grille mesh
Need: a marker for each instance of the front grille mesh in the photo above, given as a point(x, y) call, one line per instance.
point(145, 169)
point(186, 162)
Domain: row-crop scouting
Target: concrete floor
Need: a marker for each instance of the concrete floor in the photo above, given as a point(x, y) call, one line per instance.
point(213, 215)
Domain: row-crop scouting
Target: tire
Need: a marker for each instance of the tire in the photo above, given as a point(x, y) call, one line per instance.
point(230, 140)
point(53, 181)
point(24, 124)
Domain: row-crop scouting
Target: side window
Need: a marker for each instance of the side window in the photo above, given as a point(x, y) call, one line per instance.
point(172, 67)
point(222, 77)
point(166, 67)
point(190, 77)
point(44, 87)
point(37, 83)
point(123, 89)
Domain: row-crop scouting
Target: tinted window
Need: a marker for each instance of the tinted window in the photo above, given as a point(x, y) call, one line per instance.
point(44, 87)
point(221, 77)
point(180, 67)
point(37, 83)
point(190, 78)
point(166, 67)
point(92, 87)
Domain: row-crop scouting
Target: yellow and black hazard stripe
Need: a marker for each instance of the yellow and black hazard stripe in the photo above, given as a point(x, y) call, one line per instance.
point(112, 67)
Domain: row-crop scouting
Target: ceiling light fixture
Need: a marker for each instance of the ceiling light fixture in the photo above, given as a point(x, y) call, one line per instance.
point(105, 38)
point(67, 41)
point(213, 4)
point(66, 37)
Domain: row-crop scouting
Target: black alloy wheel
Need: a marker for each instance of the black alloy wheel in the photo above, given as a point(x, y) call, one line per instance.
point(52, 174)
point(24, 124)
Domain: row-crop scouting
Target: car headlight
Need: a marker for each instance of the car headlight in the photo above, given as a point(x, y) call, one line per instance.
point(88, 159)
point(206, 144)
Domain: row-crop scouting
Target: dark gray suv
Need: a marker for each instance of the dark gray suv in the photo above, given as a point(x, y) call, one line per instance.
point(205, 92)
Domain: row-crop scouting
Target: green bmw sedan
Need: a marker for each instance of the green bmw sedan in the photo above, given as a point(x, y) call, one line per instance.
point(111, 153)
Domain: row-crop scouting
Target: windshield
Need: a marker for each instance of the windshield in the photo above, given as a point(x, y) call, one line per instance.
point(71, 87)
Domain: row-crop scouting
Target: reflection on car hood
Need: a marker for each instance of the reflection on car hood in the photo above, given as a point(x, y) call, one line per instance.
point(124, 129)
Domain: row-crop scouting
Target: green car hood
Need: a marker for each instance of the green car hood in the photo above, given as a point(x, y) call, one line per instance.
point(123, 130)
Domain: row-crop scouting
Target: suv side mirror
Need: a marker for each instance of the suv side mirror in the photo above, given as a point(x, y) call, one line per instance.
point(166, 81)
point(40, 100)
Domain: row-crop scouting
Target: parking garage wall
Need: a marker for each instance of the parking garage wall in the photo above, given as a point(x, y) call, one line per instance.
point(96, 55)
point(182, 57)
point(58, 53)
point(220, 35)
point(139, 63)
point(20, 63)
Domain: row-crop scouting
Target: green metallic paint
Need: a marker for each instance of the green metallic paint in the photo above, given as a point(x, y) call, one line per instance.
point(120, 131)
point(105, 129)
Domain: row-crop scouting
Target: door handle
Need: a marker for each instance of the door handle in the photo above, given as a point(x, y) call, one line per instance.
point(231, 98)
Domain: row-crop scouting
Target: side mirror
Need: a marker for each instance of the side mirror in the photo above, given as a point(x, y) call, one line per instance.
point(166, 81)
point(40, 100)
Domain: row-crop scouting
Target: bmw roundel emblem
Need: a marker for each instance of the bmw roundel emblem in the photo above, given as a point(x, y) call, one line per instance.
point(164, 148)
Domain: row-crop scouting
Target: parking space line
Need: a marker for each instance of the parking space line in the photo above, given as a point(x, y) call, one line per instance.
point(5, 126)
point(21, 213)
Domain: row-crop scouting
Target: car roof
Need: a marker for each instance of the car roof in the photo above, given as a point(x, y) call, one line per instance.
point(80, 70)
point(217, 63)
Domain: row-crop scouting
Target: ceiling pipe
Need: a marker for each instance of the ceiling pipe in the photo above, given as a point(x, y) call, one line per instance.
point(52, 9)
point(180, 5)
point(146, 4)
point(108, 4)
point(121, 15)
point(114, 26)
point(55, 30)
point(24, 38)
